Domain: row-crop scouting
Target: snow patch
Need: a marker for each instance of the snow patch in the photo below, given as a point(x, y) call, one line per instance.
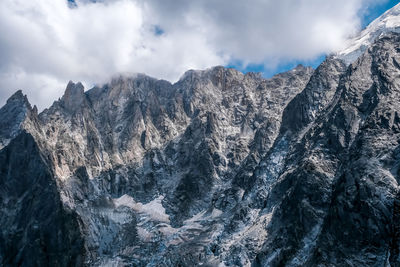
point(154, 209)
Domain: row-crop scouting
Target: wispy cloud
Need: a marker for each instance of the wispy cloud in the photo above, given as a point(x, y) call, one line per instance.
point(45, 43)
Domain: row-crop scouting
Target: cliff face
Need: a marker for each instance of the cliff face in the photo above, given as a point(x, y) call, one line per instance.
point(340, 185)
point(220, 168)
point(37, 229)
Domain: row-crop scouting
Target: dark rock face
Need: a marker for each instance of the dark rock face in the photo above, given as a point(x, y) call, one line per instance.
point(363, 215)
point(220, 168)
point(13, 115)
point(318, 93)
point(340, 197)
point(36, 229)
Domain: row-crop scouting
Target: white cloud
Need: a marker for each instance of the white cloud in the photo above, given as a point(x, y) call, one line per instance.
point(44, 43)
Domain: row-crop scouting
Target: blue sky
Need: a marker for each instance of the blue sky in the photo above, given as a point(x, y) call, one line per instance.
point(378, 10)
point(367, 17)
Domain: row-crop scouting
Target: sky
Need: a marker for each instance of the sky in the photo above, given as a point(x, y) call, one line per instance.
point(46, 43)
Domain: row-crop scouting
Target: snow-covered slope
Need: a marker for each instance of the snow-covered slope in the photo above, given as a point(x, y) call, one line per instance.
point(388, 22)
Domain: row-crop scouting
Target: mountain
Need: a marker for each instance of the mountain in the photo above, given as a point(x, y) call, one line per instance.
point(356, 46)
point(218, 169)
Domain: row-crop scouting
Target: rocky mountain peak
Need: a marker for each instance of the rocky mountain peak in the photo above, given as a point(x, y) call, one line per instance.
point(12, 116)
point(213, 74)
point(74, 96)
point(19, 99)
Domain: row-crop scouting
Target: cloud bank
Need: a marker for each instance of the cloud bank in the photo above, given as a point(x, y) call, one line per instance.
point(46, 43)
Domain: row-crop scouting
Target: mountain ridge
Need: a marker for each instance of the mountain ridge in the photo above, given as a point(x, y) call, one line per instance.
point(386, 23)
point(219, 169)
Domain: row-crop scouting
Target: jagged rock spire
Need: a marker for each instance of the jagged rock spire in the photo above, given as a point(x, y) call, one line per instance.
point(12, 115)
point(74, 96)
